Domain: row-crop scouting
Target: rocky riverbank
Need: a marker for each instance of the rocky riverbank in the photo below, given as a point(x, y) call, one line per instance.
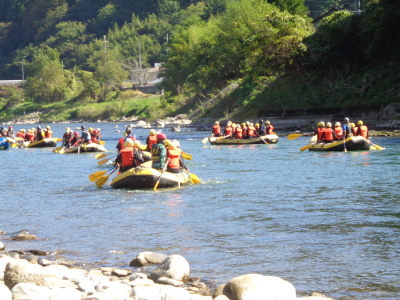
point(34, 275)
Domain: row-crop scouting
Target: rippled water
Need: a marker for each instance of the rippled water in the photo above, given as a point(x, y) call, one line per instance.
point(327, 222)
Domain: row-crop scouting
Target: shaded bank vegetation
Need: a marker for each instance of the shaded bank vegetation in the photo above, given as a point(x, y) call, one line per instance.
point(221, 58)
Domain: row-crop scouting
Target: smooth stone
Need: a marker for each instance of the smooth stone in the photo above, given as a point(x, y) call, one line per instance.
point(64, 293)
point(5, 293)
point(175, 267)
point(148, 258)
point(159, 292)
point(21, 271)
point(259, 287)
point(24, 291)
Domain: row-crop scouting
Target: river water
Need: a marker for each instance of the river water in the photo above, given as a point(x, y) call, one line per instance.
point(326, 222)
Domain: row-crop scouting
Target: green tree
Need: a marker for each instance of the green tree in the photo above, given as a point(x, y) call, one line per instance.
point(48, 82)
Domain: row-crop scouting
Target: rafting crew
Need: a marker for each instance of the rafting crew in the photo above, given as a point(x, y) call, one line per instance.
point(340, 132)
point(245, 130)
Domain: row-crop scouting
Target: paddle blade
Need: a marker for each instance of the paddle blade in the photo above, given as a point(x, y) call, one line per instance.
point(305, 148)
point(102, 143)
point(102, 181)
point(294, 136)
point(186, 156)
point(205, 140)
point(101, 155)
point(57, 139)
point(103, 162)
point(377, 147)
point(96, 175)
point(194, 179)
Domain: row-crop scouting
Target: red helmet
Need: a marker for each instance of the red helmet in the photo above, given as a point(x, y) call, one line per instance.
point(76, 133)
point(161, 136)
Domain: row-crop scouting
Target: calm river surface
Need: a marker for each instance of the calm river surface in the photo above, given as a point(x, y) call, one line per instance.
point(326, 222)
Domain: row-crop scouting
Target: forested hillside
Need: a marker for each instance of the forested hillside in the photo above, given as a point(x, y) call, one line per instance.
point(275, 54)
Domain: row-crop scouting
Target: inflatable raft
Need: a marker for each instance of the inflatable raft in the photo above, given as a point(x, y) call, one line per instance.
point(46, 142)
point(146, 178)
point(92, 147)
point(265, 139)
point(4, 143)
point(353, 143)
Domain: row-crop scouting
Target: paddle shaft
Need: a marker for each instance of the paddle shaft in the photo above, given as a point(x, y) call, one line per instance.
point(162, 172)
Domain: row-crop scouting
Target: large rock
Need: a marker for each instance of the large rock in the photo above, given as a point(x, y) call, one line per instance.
point(23, 291)
point(175, 267)
point(5, 293)
point(23, 236)
point(67, 293)
point(3, 262)
point(21, 271)
point(148, 258)
point(259, 287)
point(159, 292)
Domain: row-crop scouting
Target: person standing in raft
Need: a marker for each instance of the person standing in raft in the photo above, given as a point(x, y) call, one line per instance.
point(362, 130)
point(216, 129)
point(85, 138)
point(175, 159)
point(261, 128)
point(328, 135)
point(158, 152)
point(346, 128)
point(130, 156)
point(39, 133)
point(151, 140)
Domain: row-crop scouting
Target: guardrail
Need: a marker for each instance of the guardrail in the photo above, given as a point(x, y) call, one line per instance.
point(12, 82)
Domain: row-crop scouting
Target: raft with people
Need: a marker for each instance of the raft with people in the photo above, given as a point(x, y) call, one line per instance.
point(81, 148)
point(352, 143)
point(146, 178)
point(265, 139)
point(46, 142)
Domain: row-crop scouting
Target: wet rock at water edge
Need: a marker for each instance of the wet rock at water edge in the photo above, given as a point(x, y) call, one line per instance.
point(2, 247)
point(39, 252)
point(148, 258)
point(259, 287)
point(23, 236)
point(21, 271)
point(174, 267)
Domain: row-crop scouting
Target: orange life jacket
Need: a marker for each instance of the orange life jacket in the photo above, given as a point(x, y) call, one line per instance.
point(251, 130)
point(151, 140)
point(48, 133)
point(339, 132)
point(30, 137)
point(20, 134)
point(216, 129)
point(328, 134)
point(238, 133)
point(363, 131)
point(228, 130)
point(126, 156)
point(320, 132)
point(174, 156)
point(270, 129)
point(354, 130)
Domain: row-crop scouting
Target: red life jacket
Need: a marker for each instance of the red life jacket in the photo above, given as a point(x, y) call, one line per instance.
point(151, 140)
point(339, 132)
point(30, 137)
point(228, 131)
point(174, 156)
point(320, 132)
point(126, 156)
point(270, 129)
point(48, 133)
point(363, 131)
point(238, 133)
point(216, 129)
point(328, 134)
point(120, 144)
point(20, 134)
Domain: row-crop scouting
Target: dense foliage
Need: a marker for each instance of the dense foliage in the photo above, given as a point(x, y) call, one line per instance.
point(83, 50)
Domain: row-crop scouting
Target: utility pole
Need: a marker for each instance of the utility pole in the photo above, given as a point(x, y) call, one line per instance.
point(105, 43)
point(140, 67)
point(23, 74)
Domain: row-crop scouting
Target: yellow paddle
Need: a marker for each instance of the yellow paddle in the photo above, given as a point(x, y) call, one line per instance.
point(96, 175)
point(305, 147)
point(205, 140)
point(187, 156)
point(101, 155)
point(294, 136)
point(194, 178)
point(377, 147)
point(102, 143)
point(103, 162)
point(162, 172)
point(100, 182)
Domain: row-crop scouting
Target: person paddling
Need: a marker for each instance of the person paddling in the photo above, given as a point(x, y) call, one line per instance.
point(159, 152)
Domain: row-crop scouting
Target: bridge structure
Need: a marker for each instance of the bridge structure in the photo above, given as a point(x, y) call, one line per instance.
point(12, 82)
